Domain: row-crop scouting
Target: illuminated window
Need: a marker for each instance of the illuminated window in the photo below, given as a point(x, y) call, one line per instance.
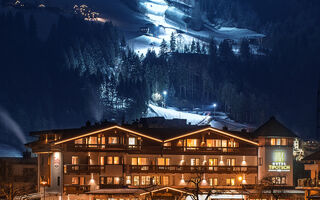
point(116, 160)
point(103, 140)
point(78, 141)
point(195, 161)
point(82, 180)
point(92, 140)
point(132, 141)
point(75, 160)
point(112, 140)
point(110, 160)
point(134, 161)
point(148, 180)
point(116, 180)
point(284, 141)
point(101, 161)
point(231, 162)
point(210, 143)
point(278, 141)
point(233, 144)
point(215, 181)
point(167, 144)
point(163, 161)
point(192, 142)
point(128, 180)
point(218, 143)
point(279, 180)
point(230, 181)
point(136, 180)
point(109, 180)
point(75, 180)
point(143, 180)
point(165, 180)
point(142, 161)
point(224, 143)
point(156, 180)
point(138, 161)
point(180, 142)
point(212, 162)
point(113, 160)
point(102, 180)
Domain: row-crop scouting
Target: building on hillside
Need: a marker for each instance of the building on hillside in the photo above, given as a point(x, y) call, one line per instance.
point(18, 174)
point(145, 161)
point(311, 185)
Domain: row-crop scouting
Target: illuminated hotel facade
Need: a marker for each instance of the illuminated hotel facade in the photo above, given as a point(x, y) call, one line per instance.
point(140, 161)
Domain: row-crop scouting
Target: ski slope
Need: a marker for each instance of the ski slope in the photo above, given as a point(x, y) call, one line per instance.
point(219, 121)
point(193, 119)
point(173, 20)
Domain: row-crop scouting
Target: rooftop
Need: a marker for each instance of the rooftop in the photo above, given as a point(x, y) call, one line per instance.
point(273, 128)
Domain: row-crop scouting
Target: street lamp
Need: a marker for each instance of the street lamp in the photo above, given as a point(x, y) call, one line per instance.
point(44, 183)
point(164, 97)
point(214, 109)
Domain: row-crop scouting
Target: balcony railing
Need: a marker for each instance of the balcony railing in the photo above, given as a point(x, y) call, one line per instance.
point(190, 169)
point(308, 182)
point(212, 150)
point(82, 169)
point(76, 189)
point(165, 149)
point(101, 147)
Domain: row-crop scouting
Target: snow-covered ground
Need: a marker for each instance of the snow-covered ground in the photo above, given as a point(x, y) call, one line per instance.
point(172, 20)
point(219, 120)
point(193, 119)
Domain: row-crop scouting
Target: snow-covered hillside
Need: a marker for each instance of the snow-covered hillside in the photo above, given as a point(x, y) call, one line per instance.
point(219, 121)
point(167, 19)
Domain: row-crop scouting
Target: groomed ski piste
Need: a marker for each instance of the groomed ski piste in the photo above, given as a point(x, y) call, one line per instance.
point(169, 19)
point(219, 121)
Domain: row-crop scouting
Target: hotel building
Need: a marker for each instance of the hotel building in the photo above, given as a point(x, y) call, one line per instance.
point(148, 161)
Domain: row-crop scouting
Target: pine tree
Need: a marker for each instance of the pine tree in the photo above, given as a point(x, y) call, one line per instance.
point(163, 47)
point(186, 48)
point(123, 42)
point(173, 44)
point(193, 47)
point(225, 50)
point(245, 49)
point(198, 48)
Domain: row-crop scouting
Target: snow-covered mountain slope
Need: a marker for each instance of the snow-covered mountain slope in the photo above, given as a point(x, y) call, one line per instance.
point(193, 119)
point(158, 18)
point(219, 121)
point(168, 19)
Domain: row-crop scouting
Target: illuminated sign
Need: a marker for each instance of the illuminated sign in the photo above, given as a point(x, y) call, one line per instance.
point(279, 164)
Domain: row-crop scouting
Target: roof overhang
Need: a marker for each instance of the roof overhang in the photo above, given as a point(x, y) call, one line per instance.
point(214, 130)
point(107, 129)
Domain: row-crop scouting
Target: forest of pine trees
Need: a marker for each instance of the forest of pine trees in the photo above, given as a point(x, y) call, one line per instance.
point(86, 71)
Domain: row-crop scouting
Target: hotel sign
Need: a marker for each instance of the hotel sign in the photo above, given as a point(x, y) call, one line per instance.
point(279, 162)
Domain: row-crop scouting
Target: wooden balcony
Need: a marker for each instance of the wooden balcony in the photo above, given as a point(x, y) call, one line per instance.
point(102, 147)
point(190, 169)
point(211, 150)
point(308, 183)
point(82, 169)
point(163, 149)
point(76, 189)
